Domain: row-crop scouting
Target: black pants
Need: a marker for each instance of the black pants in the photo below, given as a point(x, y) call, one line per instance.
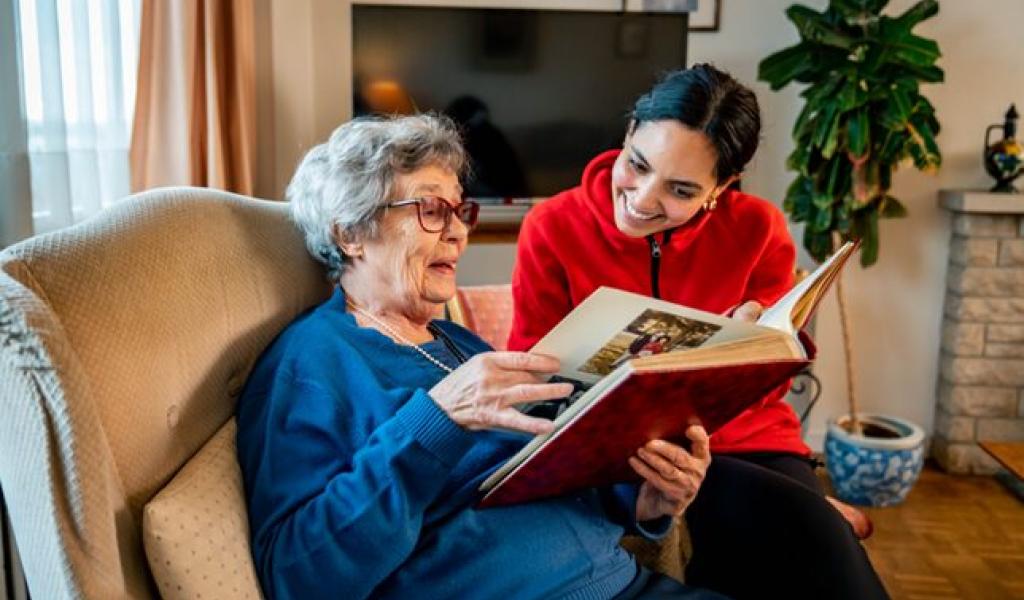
point(762, 528)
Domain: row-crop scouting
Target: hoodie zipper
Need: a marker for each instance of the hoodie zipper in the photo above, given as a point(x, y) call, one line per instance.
point(655, 265)
point(656, 260)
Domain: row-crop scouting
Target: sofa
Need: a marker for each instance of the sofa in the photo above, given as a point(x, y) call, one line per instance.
point(124, 343)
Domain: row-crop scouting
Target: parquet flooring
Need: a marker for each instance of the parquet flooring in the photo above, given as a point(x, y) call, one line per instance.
point(954, 537)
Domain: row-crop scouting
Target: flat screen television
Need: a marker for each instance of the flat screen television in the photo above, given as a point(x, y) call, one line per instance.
point(537, 93)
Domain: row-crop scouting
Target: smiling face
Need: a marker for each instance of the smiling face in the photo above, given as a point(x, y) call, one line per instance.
point(406, 269)
point(663, 176)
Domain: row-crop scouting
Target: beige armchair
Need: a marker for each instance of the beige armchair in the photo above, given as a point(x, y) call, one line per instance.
point(124, 342)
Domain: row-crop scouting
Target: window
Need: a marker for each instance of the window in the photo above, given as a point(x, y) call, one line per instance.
point(78, 67)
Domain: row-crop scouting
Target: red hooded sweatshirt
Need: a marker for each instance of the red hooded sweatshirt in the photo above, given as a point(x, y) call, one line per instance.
point(569, 246)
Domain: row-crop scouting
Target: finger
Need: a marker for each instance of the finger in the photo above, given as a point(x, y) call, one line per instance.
point(701, 443)
point(748, 311)
point(499, 378)
point(681, 492)
point(524, 361)
point(534, 392)
point(664, 467)
point(517, 421)
point(678, 457)
point(646, 472)
point(653, 477)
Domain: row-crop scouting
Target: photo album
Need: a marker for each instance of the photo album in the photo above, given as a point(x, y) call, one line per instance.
point(644, 369)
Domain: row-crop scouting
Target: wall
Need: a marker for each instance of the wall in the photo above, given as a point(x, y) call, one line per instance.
point(896, 305)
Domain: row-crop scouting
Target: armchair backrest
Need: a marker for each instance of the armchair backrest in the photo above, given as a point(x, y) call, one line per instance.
point(124, 342)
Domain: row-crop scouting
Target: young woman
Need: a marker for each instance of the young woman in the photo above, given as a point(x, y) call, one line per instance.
point(658, 217)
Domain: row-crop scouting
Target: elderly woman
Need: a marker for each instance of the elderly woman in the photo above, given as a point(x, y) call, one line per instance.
point(367, 426)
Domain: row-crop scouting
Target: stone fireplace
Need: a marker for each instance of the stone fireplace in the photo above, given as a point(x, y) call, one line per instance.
point(981, 377)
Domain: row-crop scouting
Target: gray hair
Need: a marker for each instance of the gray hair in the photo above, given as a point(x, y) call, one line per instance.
point(343, 183)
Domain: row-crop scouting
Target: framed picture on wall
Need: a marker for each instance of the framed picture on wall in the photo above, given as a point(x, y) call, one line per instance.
point(704, 14)
point(707, 15)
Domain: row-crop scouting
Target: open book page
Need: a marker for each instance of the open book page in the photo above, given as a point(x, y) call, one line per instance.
point(793, 310)
point(612, 327)
point(761, 348)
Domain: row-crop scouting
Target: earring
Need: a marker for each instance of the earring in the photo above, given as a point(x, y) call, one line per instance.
point(711, 204)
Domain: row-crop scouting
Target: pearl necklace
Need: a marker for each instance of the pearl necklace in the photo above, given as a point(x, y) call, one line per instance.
point(398, 336)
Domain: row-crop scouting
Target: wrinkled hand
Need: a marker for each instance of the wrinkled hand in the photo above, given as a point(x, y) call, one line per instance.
point(671, 475)
point(748, 311)
point(482, 392)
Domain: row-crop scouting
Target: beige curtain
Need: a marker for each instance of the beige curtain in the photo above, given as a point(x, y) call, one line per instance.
point(195, 105)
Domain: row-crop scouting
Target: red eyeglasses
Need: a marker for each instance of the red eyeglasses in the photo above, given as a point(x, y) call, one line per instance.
point(435, 213)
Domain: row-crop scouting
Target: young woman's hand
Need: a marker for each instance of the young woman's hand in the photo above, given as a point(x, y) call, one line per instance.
point(483, 392)
point(671, 475)
point(748, 311)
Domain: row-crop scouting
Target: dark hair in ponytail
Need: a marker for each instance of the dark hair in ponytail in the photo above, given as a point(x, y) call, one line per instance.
point(708, 100)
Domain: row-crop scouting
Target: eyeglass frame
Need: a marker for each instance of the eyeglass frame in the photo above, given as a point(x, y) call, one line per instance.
point(452, 210)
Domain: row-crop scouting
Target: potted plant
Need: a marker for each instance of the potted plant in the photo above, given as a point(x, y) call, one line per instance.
point(863, 117)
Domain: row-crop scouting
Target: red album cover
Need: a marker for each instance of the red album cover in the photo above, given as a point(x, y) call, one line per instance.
point(593, 450)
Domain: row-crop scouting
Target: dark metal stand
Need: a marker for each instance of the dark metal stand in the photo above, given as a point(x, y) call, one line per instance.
point(806, 382)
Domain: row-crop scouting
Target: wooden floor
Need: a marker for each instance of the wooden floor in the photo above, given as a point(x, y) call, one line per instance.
point(954, 537)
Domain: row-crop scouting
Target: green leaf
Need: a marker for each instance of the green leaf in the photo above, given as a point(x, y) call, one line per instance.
point(858, 131)
point(798, 160)
point(843, 217)
point(826, 132)
point(900, 103)
point(805, 122)
point(922, 106)
point(855, 11)
point(798, 200)
point(784, 66)
point(852, 95)
point(822, 219)
point(814, 27)
point(822, 201)
point(838, 182)
point(925, 9)
point(926, 74)
point(922, 146)
point(892, 208)
point(927, 138)
point(891, 147)
point(907, 48)
point(818, 244)
point(822, 123)
point(869, 243)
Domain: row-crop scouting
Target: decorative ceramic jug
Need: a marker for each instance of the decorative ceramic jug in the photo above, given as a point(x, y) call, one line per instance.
point(1004, 160)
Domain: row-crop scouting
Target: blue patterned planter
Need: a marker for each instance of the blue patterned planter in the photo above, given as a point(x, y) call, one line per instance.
point(874, 471)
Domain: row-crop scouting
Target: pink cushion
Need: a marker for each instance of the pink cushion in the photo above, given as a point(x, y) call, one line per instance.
point(487, 310)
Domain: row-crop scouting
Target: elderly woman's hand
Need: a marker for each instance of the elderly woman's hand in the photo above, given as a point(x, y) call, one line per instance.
point(671, 475)
point(483, 392)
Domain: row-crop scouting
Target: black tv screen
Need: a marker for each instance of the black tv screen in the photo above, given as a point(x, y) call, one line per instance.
point(537, 93)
